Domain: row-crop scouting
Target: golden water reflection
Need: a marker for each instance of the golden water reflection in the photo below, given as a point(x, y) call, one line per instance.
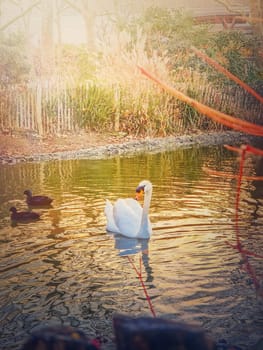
point(67, 269)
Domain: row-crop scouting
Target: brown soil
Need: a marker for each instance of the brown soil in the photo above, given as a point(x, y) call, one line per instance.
point(21, 148)
point(18, 146)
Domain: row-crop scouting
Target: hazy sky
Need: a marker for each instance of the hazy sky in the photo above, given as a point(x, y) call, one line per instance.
point(72, 24)
point(73, 29)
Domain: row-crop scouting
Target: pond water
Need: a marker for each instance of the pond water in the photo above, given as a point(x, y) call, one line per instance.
point(66, 269)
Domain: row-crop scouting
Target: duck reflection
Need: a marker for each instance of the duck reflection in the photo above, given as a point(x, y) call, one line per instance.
point(131, 246)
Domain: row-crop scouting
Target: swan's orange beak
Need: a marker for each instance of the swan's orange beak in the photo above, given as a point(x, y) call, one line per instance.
point(139, 193)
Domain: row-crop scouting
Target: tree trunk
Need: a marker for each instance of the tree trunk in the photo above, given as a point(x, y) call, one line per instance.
point(89, 26)
point(47, 38)
point(89, 15)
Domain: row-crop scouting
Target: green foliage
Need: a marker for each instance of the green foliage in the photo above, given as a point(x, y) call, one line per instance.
point(238, 53)
point(93, 106)
point(172, 30)
point(166, 22)
point(13, 61)
point(76, 63)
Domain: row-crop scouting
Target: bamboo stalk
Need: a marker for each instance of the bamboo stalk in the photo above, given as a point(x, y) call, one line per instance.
point(39, 109)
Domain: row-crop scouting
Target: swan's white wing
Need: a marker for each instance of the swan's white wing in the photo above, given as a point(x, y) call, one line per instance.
point(111, 225)
point(135, 205)
point(127, 216)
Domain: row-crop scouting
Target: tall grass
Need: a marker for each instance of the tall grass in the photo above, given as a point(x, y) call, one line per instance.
point(93, 106)
point(121, 99)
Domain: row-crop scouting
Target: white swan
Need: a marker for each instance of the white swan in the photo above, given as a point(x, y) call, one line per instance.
point(127, 217)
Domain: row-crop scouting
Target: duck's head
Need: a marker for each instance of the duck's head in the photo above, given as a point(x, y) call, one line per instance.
point(28, 193)
point(13, 210)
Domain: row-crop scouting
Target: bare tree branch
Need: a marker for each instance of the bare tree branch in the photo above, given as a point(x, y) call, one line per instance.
point(74, 6)
point(19, 16)
point(227, 5)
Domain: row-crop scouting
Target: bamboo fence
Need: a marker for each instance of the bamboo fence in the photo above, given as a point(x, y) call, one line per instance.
point(50, 109)
point(45, 109)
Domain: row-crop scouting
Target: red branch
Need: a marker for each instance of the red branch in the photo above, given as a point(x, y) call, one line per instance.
point(244, 251)
point(231, 122)
point(219, 117)
point(244, 254)
point(249, 149)
point(221, 69)
point(230, 176)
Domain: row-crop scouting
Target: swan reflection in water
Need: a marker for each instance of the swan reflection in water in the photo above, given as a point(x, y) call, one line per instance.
point(131, 246)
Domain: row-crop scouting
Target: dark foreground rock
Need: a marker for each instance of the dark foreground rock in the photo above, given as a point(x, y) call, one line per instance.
point(131, 333)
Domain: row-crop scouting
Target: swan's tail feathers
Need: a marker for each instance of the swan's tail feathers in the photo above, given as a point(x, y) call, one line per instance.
point(108, 206)
point(111, 225)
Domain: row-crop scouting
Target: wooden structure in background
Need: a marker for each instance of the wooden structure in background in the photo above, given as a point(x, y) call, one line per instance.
point(225, 21)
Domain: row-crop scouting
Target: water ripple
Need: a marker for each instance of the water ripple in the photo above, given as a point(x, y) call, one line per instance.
point(67, 269)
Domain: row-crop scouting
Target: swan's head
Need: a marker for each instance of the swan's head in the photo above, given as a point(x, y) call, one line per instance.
point(144, 186)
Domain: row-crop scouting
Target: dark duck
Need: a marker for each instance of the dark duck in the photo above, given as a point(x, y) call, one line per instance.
point(23, 215)
point(37, 200)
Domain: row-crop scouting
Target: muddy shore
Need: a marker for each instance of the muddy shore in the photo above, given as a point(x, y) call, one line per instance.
point(103, 149)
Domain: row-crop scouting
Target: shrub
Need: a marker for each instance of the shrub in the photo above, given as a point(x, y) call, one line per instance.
point(13, 61)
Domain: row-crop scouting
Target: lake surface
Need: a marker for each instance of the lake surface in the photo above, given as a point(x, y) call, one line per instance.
point(66, 269)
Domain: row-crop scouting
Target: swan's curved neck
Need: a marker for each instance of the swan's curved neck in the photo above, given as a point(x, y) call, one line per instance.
point(145, 209)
